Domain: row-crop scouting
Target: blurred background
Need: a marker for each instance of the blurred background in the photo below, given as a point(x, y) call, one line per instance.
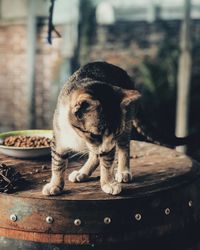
point(156, 41)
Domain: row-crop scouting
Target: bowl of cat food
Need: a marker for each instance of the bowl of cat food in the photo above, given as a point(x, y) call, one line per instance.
point(26, 143)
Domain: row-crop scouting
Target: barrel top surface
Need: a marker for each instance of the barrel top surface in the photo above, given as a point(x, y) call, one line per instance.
point(154, 168)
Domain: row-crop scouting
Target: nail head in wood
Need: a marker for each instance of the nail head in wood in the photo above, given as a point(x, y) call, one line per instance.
point(107, 220)
point(167, 211)
point(138, 217)
point(49, 219)
point(13, 217)
point(77, 222)
point(190, 203)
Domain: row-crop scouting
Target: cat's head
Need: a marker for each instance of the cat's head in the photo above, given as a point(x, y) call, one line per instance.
point(98, 113)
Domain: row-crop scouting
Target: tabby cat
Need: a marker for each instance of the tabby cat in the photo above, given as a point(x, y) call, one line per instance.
point(94, 114)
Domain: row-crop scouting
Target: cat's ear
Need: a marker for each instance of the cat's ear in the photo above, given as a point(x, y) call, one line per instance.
point(129, 96)
point(84, 104)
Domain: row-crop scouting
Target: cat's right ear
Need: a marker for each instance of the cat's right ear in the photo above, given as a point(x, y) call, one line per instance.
point(129, 96)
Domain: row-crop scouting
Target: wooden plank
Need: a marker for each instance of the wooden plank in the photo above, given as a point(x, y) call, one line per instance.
point(151, 165)
point(164, 196)
point(71, 239)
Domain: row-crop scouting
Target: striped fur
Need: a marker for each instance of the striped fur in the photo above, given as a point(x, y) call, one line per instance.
point(94, 115)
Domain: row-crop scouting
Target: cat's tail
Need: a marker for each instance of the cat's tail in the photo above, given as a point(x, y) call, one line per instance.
point(144, 132)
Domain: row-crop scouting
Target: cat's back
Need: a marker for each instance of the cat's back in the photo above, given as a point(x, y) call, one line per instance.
point(98, 71)
point(106, 72)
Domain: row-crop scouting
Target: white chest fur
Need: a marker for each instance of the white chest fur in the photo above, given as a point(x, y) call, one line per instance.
point(68, 137)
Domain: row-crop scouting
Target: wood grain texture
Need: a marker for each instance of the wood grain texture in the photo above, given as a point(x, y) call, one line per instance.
point(152, 166)
point(163, 179)
point(70, 239)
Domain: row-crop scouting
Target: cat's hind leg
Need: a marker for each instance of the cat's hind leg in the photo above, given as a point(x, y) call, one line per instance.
point(87, 169)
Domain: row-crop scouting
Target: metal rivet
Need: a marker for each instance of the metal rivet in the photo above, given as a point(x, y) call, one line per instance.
point(167, 211)
point(107, 220)
point(13, 217)
point(190, 203)
point(49, 219)
point(138, 217)
point(77, 222)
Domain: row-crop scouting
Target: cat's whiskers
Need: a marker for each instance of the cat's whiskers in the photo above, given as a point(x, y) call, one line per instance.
point(80, 154)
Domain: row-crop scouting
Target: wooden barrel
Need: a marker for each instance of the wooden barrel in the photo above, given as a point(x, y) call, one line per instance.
point(163, 199)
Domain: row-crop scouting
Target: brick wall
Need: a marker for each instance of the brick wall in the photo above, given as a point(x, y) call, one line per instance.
point(47, 66)
point(13, 65)
point(13, 77)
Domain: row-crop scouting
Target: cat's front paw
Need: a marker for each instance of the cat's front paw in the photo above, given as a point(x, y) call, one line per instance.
point(125, 176)
point(76, 176)
point(51, 189)
point(113, 188)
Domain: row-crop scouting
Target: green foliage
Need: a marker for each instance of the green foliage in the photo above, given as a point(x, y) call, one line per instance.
point(159, 78)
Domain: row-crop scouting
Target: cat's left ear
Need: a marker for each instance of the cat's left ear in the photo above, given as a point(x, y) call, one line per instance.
point(129, 96)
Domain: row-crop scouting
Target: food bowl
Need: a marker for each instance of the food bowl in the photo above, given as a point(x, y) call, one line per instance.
point(25, 151)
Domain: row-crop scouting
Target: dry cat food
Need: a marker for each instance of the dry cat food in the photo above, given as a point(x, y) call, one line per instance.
point(27, 141)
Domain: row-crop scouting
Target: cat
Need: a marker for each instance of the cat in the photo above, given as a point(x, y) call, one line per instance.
point(97, 113)
point(94, 114)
